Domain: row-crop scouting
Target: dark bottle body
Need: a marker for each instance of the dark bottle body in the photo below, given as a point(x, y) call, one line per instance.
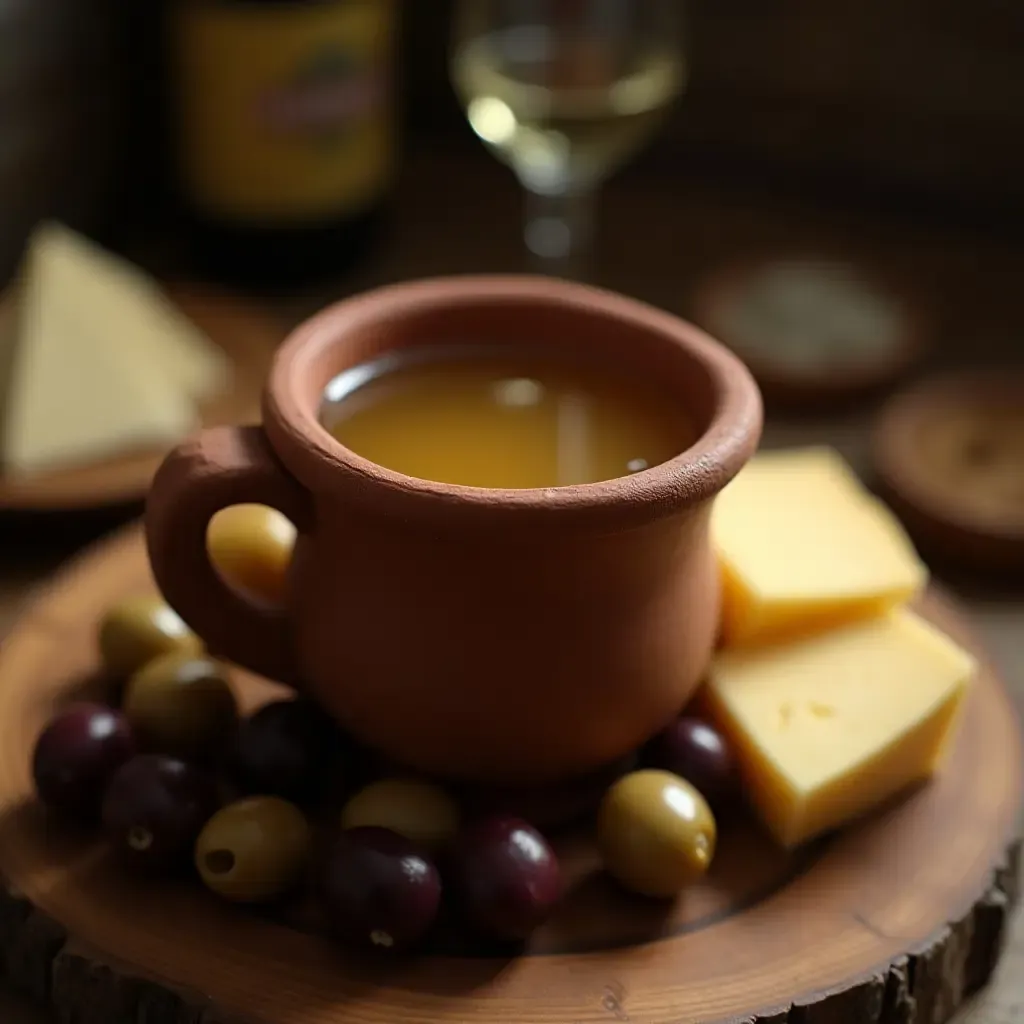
point(284, 134)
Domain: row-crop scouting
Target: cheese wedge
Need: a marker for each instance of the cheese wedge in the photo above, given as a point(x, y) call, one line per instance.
point(100, 364)
point(79, 389)
point(829, 727)
point(119, 301)
point(803, 547)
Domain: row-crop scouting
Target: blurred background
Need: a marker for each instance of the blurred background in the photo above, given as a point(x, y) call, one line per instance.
point(884, 113)
point(733, 136)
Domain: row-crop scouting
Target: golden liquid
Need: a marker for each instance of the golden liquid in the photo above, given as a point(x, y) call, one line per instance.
point(487, 419)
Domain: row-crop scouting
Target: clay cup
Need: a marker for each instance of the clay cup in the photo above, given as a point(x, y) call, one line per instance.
point(514, 637)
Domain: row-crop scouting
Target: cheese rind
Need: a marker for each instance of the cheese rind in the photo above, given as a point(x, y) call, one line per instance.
point(803, 546)
point(829, 727)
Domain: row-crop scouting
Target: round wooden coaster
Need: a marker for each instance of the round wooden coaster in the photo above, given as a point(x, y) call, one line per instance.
point(895, 919)
point(814, 329)
point(247, 334)
point(949, 454)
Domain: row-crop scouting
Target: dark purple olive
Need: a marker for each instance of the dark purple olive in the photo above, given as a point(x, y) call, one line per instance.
point(283, 749)
point(696, 751)
point(380, 890)
point(77, 754)
point(506, 877)
point(155, 807)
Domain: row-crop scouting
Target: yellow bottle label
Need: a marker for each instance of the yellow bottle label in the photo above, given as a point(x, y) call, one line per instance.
point(285, 110)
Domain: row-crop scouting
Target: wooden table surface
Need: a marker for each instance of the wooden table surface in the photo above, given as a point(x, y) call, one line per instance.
point(655, 237)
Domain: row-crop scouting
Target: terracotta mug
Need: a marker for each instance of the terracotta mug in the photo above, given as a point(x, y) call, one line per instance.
point(506, 636)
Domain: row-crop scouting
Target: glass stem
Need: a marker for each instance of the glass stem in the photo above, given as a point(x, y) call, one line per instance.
point(558, 229)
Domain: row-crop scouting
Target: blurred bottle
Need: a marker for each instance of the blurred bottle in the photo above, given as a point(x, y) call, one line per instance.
point(60, 117)
point(285, 133)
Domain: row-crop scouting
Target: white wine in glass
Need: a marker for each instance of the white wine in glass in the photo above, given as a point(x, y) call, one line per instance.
point(565, 92)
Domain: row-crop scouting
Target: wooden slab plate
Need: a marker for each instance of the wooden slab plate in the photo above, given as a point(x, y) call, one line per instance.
point(815, 329)
point(949, 454)
point(246, 333)
point(896, 919)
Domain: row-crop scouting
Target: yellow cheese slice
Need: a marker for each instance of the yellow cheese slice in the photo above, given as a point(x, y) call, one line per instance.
point(118, 299)
point(80, 388)
point(803, 546)
point(831, 726)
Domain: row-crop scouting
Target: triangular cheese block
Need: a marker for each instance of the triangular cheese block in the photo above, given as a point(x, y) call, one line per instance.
point(80, 387)
point(115, 296)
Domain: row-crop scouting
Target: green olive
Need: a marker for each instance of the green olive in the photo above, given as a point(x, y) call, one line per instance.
point(180, 704)
point(426, 815)
point(251, 546)
point(656, 833)
point(253, 850)
point(138, 629)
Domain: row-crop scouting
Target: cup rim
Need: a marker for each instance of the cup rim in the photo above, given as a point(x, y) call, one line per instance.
point(291, 404)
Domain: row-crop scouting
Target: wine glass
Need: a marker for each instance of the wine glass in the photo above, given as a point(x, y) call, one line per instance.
point(565, 92)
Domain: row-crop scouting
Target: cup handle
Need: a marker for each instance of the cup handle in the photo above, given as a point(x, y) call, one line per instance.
point(220, 467)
